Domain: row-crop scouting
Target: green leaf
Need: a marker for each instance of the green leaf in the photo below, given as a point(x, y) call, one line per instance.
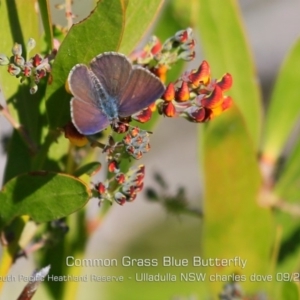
point(26, 109)
point(89, 169)
point(139, 17)
point(47, 22)
point(279, 116)
point(44, 196)
point(185, 15)
point(287, 185)
point(226, 50)
point(287, 190)
point(19, 157)
point(101, 31)
point(235, 226)
point(24, 143)
point(289, 175)
point(290, 291)
point(11, 18)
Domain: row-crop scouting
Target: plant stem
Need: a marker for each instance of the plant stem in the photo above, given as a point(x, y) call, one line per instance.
point(290, 208)
point(40, 157)
point(20, 128)
point(69, 14)
point(10, 251)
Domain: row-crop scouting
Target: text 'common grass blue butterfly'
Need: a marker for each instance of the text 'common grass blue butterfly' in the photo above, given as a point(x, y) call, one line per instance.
point(111, 87)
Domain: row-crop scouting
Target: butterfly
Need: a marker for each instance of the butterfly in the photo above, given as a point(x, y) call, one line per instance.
point(110, 88)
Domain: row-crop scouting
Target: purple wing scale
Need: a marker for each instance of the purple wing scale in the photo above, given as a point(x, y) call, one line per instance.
point(122, 89)
point(86, 118)
point(113, 71)
point(81, 85)
point(85, 112)
point(143, 88)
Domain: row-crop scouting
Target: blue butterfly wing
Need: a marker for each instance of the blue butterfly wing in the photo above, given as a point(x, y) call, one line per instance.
point(132, 87)
point(142, 89)
point(86, 115)
point(113, 71)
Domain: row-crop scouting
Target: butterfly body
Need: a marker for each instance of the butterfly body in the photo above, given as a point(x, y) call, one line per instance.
point(109, 89)
point(105, 102)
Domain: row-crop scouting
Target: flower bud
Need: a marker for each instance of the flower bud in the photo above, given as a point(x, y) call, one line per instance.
point(161, 72)
point(30, 44)
point(40, 74)
point(187, 55)
point(134, 132)
point(195, 114)
point(143, 116)
point(131, 197)
point(120, 198)
point(183, 93)
point(101, 188)
point(188, 45)
point(120, 127)
point(127, 139)
point(13, 70)
point(181, 36)
point(120, 178)
point(33, 89)
point(113, 166)
point(226, 82)
point(169, 109)
point(4, 60)
point(156, 45)
point(169, 93)
point(27, 71)
point(17, 49)
point(214, 99)
point(227, 103)
point(36, 60)
point(201, 76)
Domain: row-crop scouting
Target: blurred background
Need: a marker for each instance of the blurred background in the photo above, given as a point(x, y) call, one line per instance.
point(146, 230)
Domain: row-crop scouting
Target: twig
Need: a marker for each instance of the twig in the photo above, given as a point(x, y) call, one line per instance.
point(20, 128)
point(291, 208)
point(267, 197)
point(69, 14)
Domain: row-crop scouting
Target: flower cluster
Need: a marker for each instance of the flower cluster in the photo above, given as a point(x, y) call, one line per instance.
point(121, 188)
point(196, 96)
point(32, 69)
point(134, 143)
point(159, 57)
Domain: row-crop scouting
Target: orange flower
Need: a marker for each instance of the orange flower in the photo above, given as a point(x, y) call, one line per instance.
point(214, 99)
point(161, 72)
point(226, 82)
point(201, 76)
point(169, 93)
point(183, 93)
point(143, 116)
point(169, 109)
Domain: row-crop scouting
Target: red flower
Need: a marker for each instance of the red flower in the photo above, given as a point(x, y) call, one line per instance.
point(169, 93)
point(201, 76)
point(226, 82)
point(183, 93)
